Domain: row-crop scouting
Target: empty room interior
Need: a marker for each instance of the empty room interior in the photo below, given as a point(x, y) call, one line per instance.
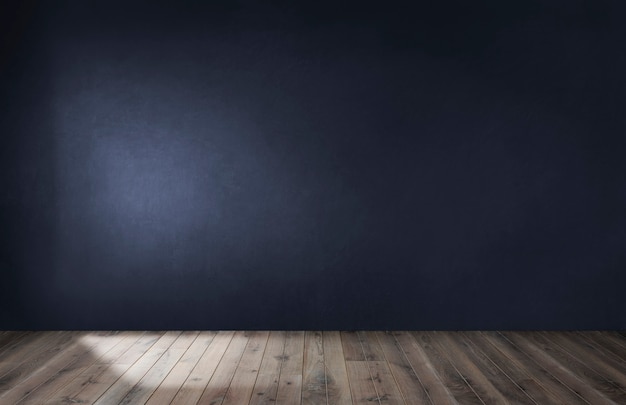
point(312, 202)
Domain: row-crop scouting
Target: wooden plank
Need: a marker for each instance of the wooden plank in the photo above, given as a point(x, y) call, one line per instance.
point(352, 349)
point(140, 393)
point(408, 380)
point(604, 355)
point(219, 383)
point(68, 393)
point(448, 374)
point(424, 368)
point(547, 380)
point(618, 336)
point(135, 373)
point(559, 371)
point(168, 389)
point(294, 353)
point(471, 373)
point(608, 367)
point(313, 372)
point(194, 385)
point(337, 387)
point(273, 358)
point(22, 362)
point(514, 370)
point(266, 386)
point(10, 338)
point(289, 389)
point(370, 346)
point(384, 382)
point(607, 347)
point(580, 369)
point(19, 349)
point(290, 381)
point(94, 346)
point(265, 389)
point(242, 384)
point(55, 373)
point(509, 390)
point(94, 388)
point(362, 387)
point(289, 367)
point(560, 366)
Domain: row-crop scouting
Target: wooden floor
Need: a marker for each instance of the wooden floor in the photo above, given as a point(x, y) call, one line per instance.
point(298, 367)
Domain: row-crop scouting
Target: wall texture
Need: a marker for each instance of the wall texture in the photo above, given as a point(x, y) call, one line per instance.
point(326, 165)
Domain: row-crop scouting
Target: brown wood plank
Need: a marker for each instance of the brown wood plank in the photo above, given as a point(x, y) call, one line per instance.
point(548, 381)
point(471, 374)
point(94, 347)
point(94, 388)
point(608, 367)
point(219, 383)
point(194, 385)
point(337, 387)
point(25, 361)
point(514, 370)
point(362, 386)
point(40, 368)
point(313, 371)
point(526, 343)
point(370, 346)
point(618, 336)
point(293, 367)
point(266, 386)
point(294, 353)
point(140, 393)
point(55, 373)
point(127, 381)
point(10, 338)
point(289, 389)
point(384, 381)
point(552, 344)
point(32, 346)
point(604, 355)
point(609, 347)
point(448, 374)
point(424, 369)
point(408, 381)
point(290, 382)
point(352, 349)
point(488, 381)
point(242, 384)
point(265, 389)
point(17, 349)
point(168, 389)
point(68, 393)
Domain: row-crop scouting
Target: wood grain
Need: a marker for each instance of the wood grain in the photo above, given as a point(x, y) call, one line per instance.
point(290, 382)
point(313, 370)
point(194, 385)
point(337, 387)
point(312, 367)
point(266, 386)
point(218, 385)
point(168, 388)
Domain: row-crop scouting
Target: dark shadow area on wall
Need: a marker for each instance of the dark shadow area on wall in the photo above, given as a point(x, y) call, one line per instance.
point(232, 165)
point(28, 204)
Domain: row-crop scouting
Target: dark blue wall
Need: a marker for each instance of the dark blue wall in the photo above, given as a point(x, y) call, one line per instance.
point(323, 165)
